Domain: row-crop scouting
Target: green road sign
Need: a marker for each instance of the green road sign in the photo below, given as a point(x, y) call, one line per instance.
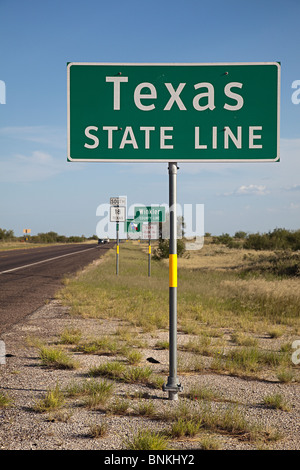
point(132, 226)
point(173, 112)
point(150, 214)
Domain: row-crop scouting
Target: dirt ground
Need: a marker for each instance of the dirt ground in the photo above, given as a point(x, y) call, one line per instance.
point(26, 381)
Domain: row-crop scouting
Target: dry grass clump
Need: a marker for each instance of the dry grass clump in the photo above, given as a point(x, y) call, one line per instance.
point(146, 440)
point(53, 400)
point(5, 400)
point(56, 358)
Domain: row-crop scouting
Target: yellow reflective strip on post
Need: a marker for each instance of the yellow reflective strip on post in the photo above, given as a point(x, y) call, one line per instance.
point(149, 250)
point(117, 249)
point(172, 270)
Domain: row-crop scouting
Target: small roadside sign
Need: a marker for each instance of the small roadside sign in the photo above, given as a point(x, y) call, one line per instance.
point(117, 213)
point(118, 201)
point(150, 231)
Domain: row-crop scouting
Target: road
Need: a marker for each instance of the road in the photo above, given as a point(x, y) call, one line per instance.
point(29, 277)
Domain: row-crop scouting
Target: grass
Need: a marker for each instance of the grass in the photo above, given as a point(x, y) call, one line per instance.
point(95, 393)
point(119, 407)
point(277, 402)
point(183, 427)
point(146, 440)
point(70, 336)
point(189, 421)
point(133, 357)
point(98, 430)
point(209, 443)
point(53, 400)
point(5, 400)
point(203, 393)
point(118, 371)
point(100, 346)
point(249, 360)
point(214, 298)
point(56, 358)
point(146, 409)
point(112, 370)
point(241, 339)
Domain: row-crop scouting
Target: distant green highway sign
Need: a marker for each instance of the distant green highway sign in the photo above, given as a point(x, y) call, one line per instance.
point(173, 112)
point(150, 214)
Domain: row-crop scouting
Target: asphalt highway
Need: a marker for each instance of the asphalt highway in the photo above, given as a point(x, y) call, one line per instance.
point(30, 277)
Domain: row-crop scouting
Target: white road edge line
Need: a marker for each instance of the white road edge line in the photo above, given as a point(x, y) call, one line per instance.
point(44, 261)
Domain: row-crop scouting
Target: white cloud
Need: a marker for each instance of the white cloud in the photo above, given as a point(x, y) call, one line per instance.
point(294, 187)
point(249, 190)
point(35, 167)
point(255, 189)
point(46, 135)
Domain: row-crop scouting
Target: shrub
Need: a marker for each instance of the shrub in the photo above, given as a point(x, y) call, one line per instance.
point(278, 239)
point(163, 249)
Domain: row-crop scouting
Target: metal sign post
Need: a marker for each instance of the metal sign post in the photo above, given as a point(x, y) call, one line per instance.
point(173, 386)
point(118, 249)
point(149, 257)
point(117, 214)
point(150, 231)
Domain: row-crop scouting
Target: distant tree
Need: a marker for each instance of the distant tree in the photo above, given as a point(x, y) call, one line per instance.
point(6, 234)
point(278, 239)
point(162, 251)
point(240, 234)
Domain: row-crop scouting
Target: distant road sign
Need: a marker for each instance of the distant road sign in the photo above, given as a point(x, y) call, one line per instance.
point(150, 213)
point(150, 231)
point(225, 112)
point(118, 201)
point(117, 214)
point(131, 226)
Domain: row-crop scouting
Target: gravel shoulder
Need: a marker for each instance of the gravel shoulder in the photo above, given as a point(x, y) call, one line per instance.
point(26, 381)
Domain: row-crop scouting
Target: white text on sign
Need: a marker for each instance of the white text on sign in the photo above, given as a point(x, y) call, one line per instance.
point(162, 137)
point(207, 95)
point(143, 136)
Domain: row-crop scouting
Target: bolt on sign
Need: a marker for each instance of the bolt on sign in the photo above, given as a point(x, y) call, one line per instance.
point(173, 112)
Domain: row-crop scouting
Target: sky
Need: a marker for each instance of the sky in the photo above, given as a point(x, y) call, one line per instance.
point(41, 191)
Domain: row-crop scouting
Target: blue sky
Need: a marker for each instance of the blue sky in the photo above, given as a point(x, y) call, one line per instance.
point(40, 190)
